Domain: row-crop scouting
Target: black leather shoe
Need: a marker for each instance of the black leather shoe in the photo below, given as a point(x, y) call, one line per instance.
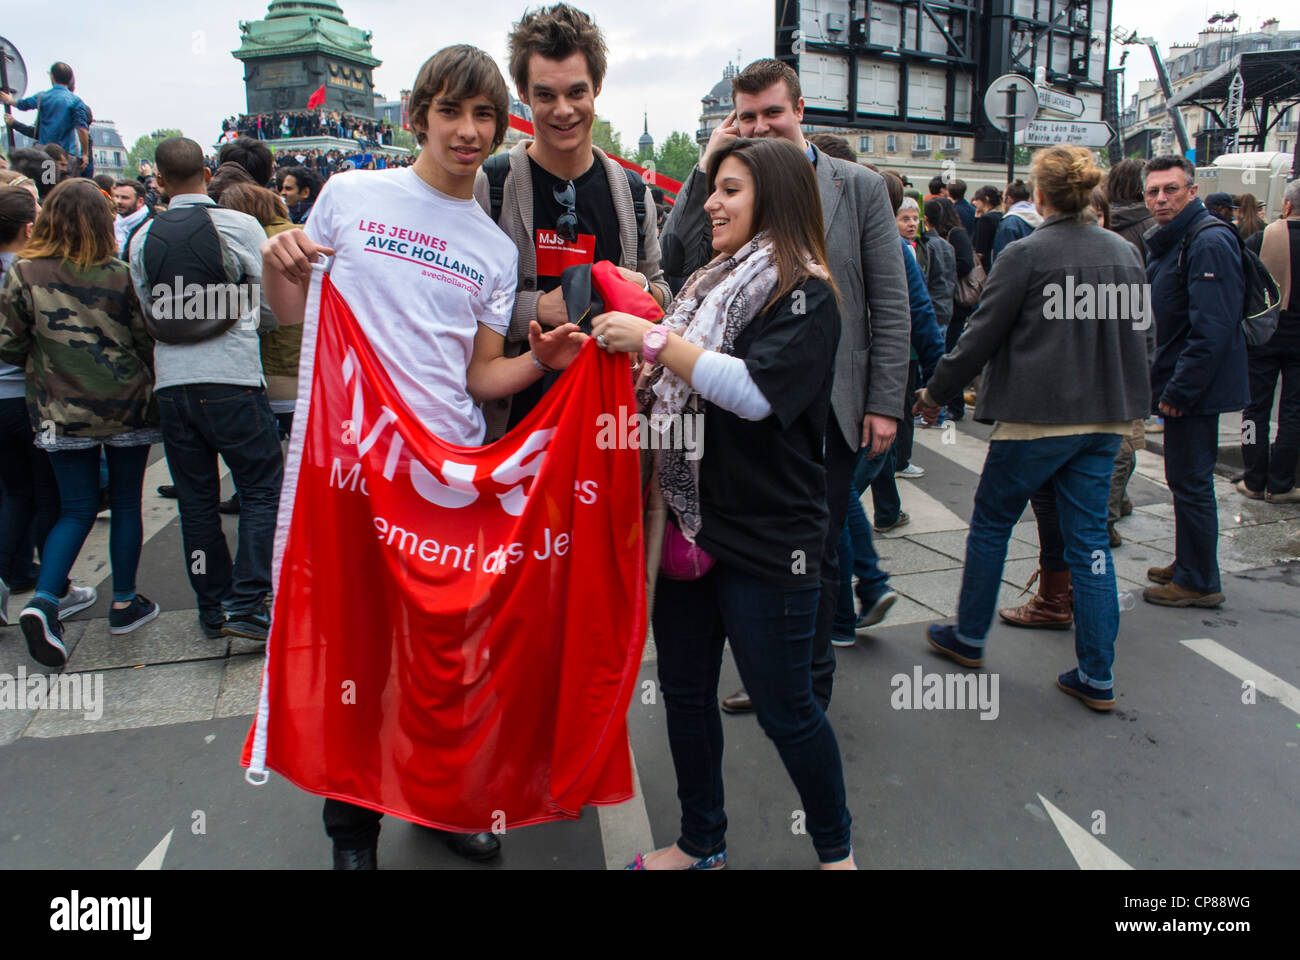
point(738, 702)
point(168, 491)
point(478, 847)
point(229, 506)
point(367, 859)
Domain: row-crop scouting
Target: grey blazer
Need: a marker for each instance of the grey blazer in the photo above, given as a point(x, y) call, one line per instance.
point(866, 262)
point(1058, 331)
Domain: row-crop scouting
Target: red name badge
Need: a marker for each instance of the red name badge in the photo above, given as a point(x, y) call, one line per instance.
point(554, 254)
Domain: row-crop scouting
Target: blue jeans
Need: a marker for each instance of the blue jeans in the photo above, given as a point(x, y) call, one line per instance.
point(771, 632)
point(201, 420)
point(884, 489)
point(77, 473)
point(1191, 448)
point(1080, 467)
point(857, 551)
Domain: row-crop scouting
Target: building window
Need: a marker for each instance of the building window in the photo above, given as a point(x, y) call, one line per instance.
point(1284, 146)
point(950, 143)
point(921, 141)
point(865, 145)
point(891, 143)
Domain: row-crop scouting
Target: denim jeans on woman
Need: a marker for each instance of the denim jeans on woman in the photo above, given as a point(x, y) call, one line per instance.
point(77, 473)
point(1080, 468)
point(30, 493)
point(771, 631)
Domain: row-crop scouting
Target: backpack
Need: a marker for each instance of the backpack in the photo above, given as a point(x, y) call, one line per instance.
point(497, 169)
point(181, 249)
point(1262, 304)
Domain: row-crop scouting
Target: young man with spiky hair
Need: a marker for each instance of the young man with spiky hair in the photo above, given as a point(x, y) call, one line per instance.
point(560, 199)
point(440, 341)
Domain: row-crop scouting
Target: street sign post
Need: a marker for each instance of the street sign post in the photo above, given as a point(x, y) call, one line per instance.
point(1074, 133)
point(1051, 99)
point(1010, 103)
point(13, 77)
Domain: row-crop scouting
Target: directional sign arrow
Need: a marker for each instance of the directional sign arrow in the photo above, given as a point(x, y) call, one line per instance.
point(1064, 103)
point(1074, 133)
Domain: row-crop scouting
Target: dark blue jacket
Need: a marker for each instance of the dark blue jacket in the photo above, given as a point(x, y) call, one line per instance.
point(966, 212)
point(927, 341)
point(1200, 363)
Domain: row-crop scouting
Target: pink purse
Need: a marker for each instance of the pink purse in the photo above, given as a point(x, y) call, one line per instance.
point(681, 559)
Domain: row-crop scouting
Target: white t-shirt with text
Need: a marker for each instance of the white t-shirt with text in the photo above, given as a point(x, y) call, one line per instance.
point(420, 270)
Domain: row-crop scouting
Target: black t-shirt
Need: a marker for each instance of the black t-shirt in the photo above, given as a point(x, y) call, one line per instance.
point(598, 239)
point(763, 483)
point(598, 232)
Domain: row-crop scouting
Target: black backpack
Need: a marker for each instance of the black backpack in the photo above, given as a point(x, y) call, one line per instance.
point(497, 169)
point(183, 248)
point(1262, 304)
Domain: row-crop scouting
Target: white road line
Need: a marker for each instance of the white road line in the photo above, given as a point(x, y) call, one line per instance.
point(1241, 668)
point(1088, 852)
point(154, 860)
point(625, 829)
point(965, 450)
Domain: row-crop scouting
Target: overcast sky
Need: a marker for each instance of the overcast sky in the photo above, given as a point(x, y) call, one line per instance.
point(170, 65)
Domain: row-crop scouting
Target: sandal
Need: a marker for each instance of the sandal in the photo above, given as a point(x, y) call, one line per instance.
point(715, 862)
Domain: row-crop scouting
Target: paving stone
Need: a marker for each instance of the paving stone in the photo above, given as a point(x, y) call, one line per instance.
point(13, 654)
point(240, 687)
point(904, 556)
point(953, 544)
point(1026, 532)
point(174, 637)
point(141, 697)
point(1144, 528)
point(939, 590)
point(905, 610)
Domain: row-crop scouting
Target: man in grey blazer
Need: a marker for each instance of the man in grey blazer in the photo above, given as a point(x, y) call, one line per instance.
point(867, 265)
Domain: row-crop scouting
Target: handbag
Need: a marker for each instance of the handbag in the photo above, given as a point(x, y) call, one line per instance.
point(681, 559)
point(969, 287)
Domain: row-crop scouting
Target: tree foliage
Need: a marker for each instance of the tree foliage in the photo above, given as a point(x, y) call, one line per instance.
point(145, 146)
point(677, 156)
point(607, 138)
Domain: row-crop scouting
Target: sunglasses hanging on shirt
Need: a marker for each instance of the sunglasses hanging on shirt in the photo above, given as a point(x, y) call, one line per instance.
point(566, 195)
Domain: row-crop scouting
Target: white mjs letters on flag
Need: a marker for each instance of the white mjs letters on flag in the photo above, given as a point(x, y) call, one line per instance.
point(457, 631)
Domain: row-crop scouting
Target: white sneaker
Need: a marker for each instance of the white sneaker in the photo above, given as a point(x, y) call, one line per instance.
point(911, 472)
point(76, 600)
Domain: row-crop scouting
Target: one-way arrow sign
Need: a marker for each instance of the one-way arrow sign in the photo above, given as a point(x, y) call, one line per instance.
point(1074, 133)
point(1054, 99)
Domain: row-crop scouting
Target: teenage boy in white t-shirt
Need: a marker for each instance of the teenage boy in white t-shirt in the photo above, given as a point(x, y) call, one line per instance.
point(431, 280)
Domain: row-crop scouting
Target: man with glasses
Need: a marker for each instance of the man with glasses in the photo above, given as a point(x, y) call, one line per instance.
point(563, 201)
point(1197, 288)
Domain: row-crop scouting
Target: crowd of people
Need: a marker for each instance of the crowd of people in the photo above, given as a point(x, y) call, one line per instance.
point(817, 312)
point(308, 123)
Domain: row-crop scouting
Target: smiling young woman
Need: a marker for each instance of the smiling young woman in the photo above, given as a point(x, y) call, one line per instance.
point(753, 335)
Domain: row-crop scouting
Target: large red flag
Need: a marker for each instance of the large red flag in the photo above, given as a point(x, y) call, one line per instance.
point(457, 631)
point(317, 98)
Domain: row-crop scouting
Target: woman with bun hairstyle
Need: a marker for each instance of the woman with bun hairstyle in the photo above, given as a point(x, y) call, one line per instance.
point(1063, 381)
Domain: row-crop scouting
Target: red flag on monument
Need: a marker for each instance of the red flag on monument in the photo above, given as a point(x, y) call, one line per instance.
point(457, 631)
point(317, 98)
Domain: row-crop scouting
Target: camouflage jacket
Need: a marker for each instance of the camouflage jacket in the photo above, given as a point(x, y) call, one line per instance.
point(80, 335)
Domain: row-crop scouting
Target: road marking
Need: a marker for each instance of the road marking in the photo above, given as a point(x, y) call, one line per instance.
point(625, 829)
point(155, 859)
point(969, 451)
point(1241, 668)
point(1088, 852)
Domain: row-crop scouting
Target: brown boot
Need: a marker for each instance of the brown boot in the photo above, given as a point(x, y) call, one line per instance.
point(1051, 609)
point(1161, 574)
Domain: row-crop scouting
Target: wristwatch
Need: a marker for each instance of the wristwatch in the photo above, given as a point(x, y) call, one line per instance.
point(652, 342)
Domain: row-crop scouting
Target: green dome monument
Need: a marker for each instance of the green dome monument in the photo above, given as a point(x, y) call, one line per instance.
point(301, 45)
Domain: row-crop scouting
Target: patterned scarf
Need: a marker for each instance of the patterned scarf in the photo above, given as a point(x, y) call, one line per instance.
point(716, 304)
